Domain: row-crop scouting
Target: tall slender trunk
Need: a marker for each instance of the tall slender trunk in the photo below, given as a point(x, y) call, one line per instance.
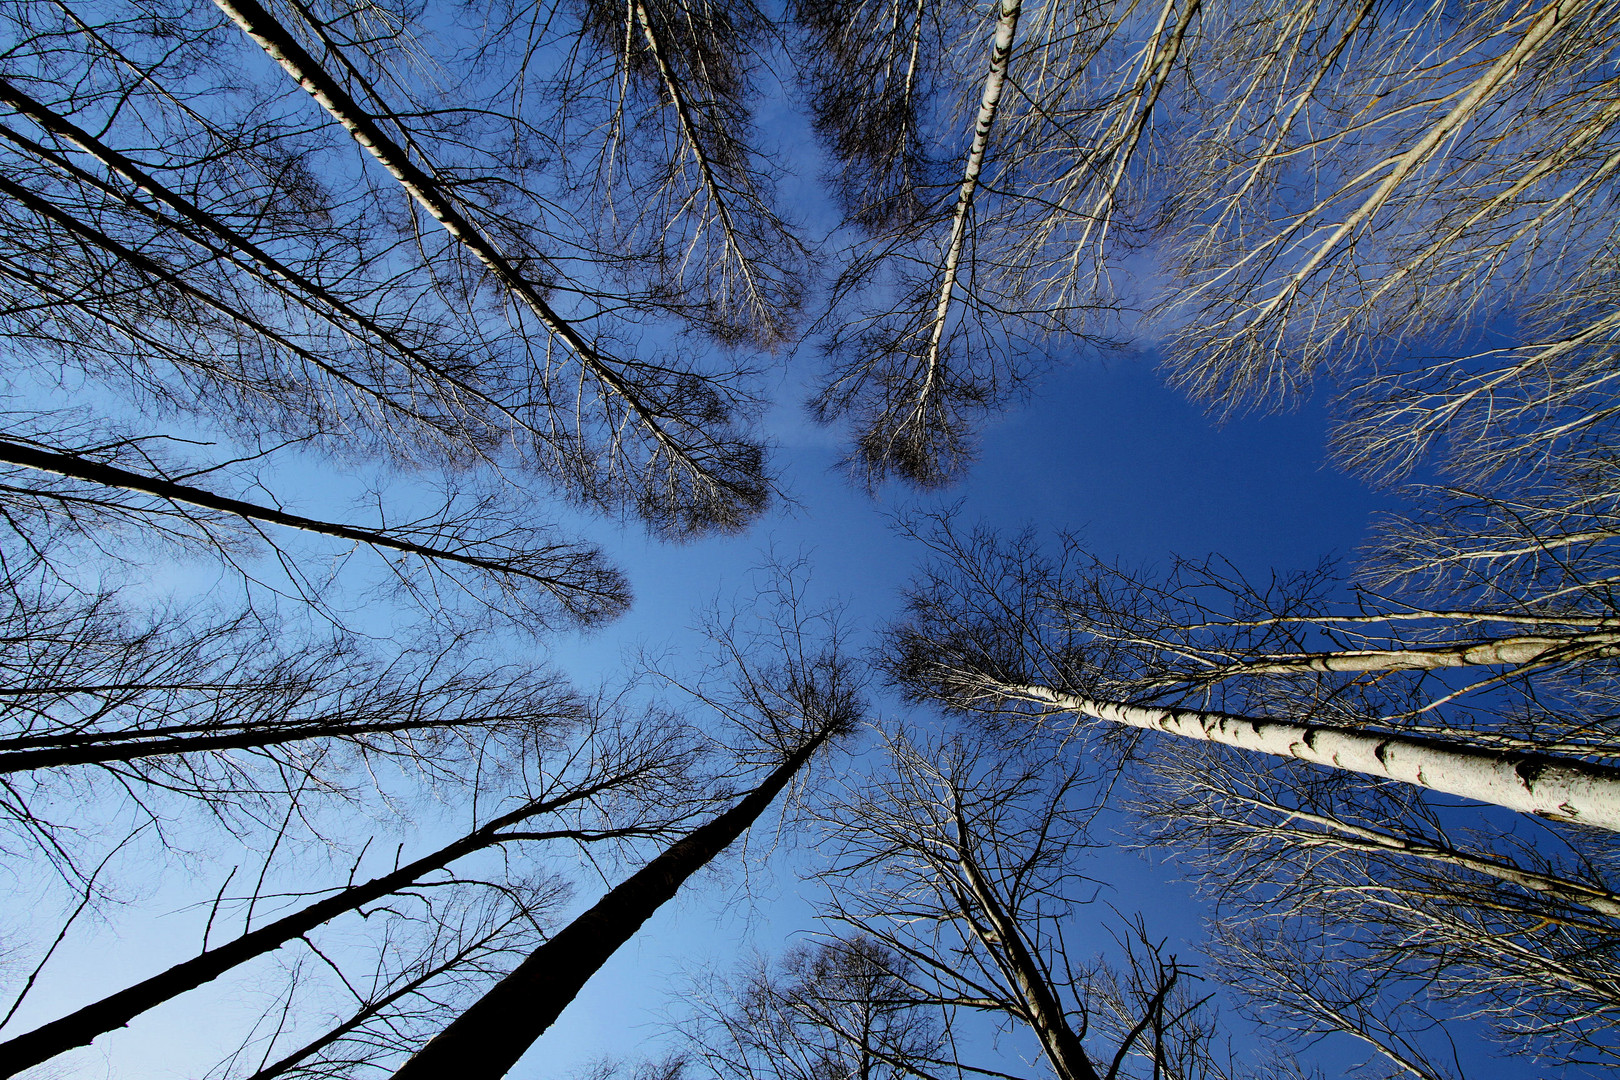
point(1564, 789)
point(99, 748)
point(1522, 650)
point(282, 47)
point(995, 84)
point(487, 1040)
point(76, 467)
point(117, 1010)
point(1044, 1013)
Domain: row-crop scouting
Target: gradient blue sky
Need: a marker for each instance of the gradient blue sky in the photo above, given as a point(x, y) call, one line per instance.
point(1102, 448)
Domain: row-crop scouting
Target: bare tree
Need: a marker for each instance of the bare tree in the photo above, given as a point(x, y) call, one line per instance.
point(1424, 222)
point(844, 1008)
point(317, 226)
point(611, 779)
point(965, 861)
point(196, 246)
point(330, 318)
point(161, 271)
point(1382, 887)
point(133, 717)
point(493, 1032)
point(670, 454)
point(1338, 188)
point(1366, 175)
point(994, 623)
point(946, 311)
point(1343, 899)
point(790, 704)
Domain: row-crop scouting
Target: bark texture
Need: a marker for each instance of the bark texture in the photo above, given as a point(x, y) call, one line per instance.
point(1565, 789)
point(1044, 1012)
point(995, 83)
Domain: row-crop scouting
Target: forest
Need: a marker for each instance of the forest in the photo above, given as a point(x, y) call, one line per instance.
point(888, 540)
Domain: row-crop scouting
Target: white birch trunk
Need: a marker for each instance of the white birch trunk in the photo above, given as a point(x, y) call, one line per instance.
point(989, 102)
point(1518, 651)
point(1564, 789)
point(418, 182)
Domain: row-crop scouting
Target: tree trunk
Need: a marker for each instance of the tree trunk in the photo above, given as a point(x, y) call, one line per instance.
point(98, 748)
point(77, 467)
point(282, 47)
point(487, 1040)
point(1519, 651)
point(1564, 789)
point(995, 83)
point(117, 1010)
point(1045, 1014)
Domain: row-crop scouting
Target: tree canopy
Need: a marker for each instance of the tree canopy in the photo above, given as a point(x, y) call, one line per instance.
point(344, 342)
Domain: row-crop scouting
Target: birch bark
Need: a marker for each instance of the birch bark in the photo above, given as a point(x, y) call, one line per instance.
point(1526, 650)
point(995, 84)
point(1564, 789)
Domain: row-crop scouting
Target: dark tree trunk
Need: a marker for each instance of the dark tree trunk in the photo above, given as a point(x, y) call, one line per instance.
point(110, 747)
point(487, 1040)
point(97, 748)
point(117, 1010)
point(76, 467)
